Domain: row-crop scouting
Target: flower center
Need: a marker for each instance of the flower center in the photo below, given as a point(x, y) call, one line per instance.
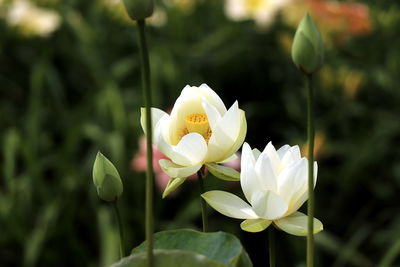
point(197, 123)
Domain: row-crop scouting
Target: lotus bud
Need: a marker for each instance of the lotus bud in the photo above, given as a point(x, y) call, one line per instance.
point(139, 9)
point(308, 47)
point(106, 179)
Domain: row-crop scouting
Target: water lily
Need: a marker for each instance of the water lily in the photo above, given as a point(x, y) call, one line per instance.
point(274, 182)
point(199, 130)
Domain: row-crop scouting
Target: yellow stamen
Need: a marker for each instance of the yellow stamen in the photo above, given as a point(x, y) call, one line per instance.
point(182, 133)
point(208, 136)
point(197, 123)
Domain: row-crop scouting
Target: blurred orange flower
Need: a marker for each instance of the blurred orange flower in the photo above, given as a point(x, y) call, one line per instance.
point(343, 18)
point(338, 19)
point(319, 145)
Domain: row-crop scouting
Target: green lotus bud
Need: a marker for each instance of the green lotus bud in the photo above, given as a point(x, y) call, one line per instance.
point(308, 47)
point(106, 179)
point(139, 9)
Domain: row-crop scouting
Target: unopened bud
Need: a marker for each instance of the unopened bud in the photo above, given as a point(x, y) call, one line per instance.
point(139, 9)
point(308, 47)
point(106, 179)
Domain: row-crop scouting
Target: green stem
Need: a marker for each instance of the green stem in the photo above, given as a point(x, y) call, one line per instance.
point(121, 230)
point(390, 256)
point(271, 245)
point(144, 58)
point(202, 201)
point(310, 138)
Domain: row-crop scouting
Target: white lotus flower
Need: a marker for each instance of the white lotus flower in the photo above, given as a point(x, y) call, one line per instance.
point(200, 130)
point(262, 11)
point(275, 183)
point(32, 20)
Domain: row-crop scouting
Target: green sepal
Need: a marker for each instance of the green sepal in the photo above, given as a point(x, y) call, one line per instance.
point(173, 183)
point(223, 172)
point(255, 225)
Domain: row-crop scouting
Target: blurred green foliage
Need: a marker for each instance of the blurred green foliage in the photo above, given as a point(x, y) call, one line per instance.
point(66, 96)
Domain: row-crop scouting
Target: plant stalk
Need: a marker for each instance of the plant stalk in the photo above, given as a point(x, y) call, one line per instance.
point(121, 230)
point(145, 65)
point(271, 245)
point(202, 201)
point(310, 138)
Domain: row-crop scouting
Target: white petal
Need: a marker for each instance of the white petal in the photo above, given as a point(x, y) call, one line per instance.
point(156, 115)
point(256, 153)
point(241, 136)
point(247, 153)
point(255, 225)
point(293, 181)
point(297, 224)
point(229, 159)
point(162, 142)
point(187, 90)
point(162, 128)
point(212, 98)
point(273, 156)
point(268, 205)
point(282, 151)
point(296, 152)
point(297, 203)
point(291, 156)
point(315, 172)
point(176, 171)
point(265, 173)
point(229, 205)
point(213, 115)
point(206, 94)
point(192, 147)
point(224, 135)
point(161, 139)
point(301, 195)
point(248, 177)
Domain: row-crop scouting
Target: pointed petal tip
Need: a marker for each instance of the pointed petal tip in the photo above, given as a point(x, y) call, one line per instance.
point(204, 85)
point(246, 147)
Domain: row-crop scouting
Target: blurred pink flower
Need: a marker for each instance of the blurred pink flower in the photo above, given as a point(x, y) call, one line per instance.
point(139, 163)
